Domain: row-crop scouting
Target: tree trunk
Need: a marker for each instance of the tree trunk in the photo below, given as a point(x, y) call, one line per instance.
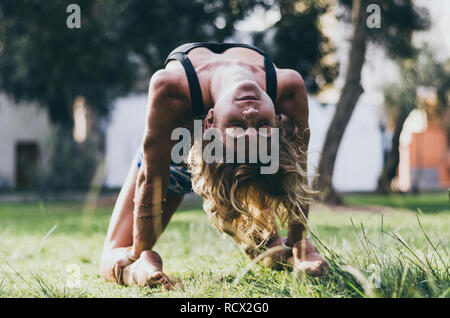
point(350, 94)
point(393, 158)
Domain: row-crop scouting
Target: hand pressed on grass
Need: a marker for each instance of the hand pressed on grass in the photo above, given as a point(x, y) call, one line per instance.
point(305, 257)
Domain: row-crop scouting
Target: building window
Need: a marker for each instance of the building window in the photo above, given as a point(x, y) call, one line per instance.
point(27, 159)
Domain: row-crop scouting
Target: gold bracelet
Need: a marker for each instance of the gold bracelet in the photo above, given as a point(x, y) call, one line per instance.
point(148, 205)
point(149, 216)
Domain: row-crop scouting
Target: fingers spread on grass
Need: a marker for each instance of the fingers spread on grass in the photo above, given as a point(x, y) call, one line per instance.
point(116, 272)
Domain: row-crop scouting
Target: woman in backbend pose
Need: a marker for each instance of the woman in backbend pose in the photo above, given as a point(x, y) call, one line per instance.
point(230, 86)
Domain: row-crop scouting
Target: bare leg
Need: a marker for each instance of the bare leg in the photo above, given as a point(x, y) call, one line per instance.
point(120, 238)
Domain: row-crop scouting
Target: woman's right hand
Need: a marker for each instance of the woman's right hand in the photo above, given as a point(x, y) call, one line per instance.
point(120, 259)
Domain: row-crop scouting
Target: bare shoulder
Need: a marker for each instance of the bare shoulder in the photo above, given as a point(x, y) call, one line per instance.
point(289, 83)
point(168, 89)
point(292, 98)
point(170, 82)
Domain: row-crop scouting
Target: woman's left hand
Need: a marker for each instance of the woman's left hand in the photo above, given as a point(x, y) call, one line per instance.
point(279, 257)
point(120, 259)
point(305, 257)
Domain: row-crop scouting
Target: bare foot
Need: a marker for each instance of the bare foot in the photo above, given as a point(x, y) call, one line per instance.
point(306, 258)
point(147, 270)
point(278, 258)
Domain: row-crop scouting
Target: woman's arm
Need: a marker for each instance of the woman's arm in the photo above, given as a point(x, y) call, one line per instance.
point(167, 104)
point(293, 102)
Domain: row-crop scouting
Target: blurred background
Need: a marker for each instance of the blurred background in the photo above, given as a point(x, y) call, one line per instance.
point(73, 91)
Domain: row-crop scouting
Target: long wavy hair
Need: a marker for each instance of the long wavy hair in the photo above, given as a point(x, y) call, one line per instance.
point(245, 204)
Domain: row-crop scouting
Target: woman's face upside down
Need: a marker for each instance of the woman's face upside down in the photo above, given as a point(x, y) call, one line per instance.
point(244, 105)
point(241, 111)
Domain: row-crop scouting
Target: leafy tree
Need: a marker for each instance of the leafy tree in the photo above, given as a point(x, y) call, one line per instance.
point(400, 100)
point(399, 19)
point(151, 29)
point(296, 41)
point(44, 61)
point(67, 165)
point(120, 43)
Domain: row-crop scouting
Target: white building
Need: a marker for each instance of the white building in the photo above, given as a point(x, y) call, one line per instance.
point(358, 164)
point(24, 130)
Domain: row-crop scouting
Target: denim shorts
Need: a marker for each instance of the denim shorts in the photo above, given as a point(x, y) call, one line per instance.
point(180, 177)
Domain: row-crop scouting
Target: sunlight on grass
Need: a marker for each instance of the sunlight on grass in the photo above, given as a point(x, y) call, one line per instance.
point(437, 202)
point(399, 254)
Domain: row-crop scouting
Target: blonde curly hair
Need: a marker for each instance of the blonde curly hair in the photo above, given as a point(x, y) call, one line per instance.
point(242, 202)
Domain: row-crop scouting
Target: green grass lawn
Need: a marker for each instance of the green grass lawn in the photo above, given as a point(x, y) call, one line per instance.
point(426, 202)
point(370, 254)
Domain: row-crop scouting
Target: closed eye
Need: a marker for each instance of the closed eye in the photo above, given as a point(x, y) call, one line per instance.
point(237, 124)
point(263, 124)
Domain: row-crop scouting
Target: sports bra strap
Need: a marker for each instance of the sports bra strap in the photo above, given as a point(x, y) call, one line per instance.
point(194, 83)
point(271, 78)
point(181, 52)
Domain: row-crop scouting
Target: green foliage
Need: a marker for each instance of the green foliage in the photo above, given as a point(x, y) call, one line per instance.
point(426, 202)
point(68, 165)
point(44, 61)
point(296, 41)
point(422, 70)
point(400, 97)
point(430, 72)
point(399, 19)
point(152, 29)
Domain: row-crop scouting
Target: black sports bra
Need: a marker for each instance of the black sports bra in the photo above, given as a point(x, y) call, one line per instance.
point(180, 54)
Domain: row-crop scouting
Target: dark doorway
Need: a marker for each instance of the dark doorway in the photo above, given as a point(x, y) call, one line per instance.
point(27, 158)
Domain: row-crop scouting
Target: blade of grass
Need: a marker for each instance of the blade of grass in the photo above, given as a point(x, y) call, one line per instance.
point(432, 245)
